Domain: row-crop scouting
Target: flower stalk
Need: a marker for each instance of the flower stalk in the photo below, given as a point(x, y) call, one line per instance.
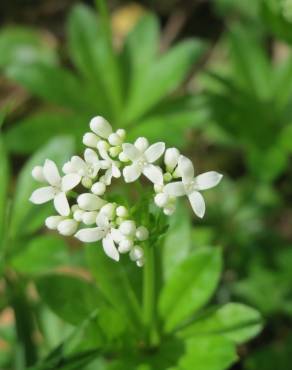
point(149, 301)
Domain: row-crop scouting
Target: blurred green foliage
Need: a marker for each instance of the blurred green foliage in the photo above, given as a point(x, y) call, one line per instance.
point(234, 112)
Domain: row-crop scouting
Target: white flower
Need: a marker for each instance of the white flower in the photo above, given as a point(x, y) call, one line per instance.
point(105, 232)
point(142, 158)
point(86, 168)
point(57, 189)
point(191, 185)
point(111, 166)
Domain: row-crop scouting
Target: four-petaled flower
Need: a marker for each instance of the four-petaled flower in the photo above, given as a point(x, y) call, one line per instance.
point(103, 231)
point(84, 168)
point(57, 189)
point(142, 162)
point(191, 185)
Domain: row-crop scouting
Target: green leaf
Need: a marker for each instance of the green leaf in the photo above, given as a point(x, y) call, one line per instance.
point(72, 299)
point(52, 83)
point(141, 49)
point(190, 287)
point(43, 126)
point(41, 255)
point(250, 62)
point(94, 57)
point(24, 213)
point(4, 170)
point(170, 120)
point(24, 45)
point(177, 242)
point(234, 321)
point(163, 77)
point(209, 353)
point(113, 281)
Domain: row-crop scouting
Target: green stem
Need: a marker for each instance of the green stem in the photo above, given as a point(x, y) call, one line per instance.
point(149, 304)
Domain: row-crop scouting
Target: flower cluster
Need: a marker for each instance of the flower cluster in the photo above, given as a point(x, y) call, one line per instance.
point(89, 216)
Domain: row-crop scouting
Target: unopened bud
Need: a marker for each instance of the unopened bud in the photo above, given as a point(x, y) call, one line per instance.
point(90, 202)
point(67, 227)
point(52, 222)
point(101, 127)
point(90, 139)
point(38, 174)
point(142, 233)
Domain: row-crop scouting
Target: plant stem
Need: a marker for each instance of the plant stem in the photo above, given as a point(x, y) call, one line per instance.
point(149, 304)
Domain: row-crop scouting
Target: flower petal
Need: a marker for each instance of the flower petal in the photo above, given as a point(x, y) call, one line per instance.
point(153, 173)
point(70, 181)
point(91, 156)
point(61, 204)
point(51, 173)
point(197, 203)
point(102, 220)
point(110, 248)
point(90, 235)
point(154, 152)
point(132, 172)
point(116, 235)
point(208, 180)
point(186, 169)
point(116, 171)
point(175, 189)
point(131, 152)
point(78, 164)
point(42, 195)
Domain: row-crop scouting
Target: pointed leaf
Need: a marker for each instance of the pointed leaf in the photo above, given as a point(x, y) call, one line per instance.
point(190, 287)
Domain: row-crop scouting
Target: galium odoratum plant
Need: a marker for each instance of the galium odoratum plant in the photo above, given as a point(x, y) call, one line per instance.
point(79, 195)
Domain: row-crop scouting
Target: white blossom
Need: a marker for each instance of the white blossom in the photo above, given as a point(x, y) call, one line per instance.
point(191, 185)
point(57, 189)
point(142, 158)
point(86, 169)
point(107, 163)
point(105, 232)
point(67, 227)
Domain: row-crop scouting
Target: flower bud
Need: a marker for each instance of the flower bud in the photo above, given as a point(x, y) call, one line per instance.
point(167, 177)
point(98, 188)
point(161, 199)
point(90, 139)
point(38, 173)
point(158, 188)
point(52, 222)
point(77, 215)
point(171, 158)
point(67, 227)
point(125, 245)
point(122, 133)
point(114, 139)
point(86, 182)
point(115, 151)
point(102, 145)
point(88, 218)
point(128, 228)
point(169, 209)
point(142, 233)
point(122, 211)
point(140, 262)
point(108, 210)
point(101, 127)
point(90, 202)
point(136, 253)
point(123, 157)
point(141, 144)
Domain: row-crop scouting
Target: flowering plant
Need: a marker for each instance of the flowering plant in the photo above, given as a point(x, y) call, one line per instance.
point(106, 155)
point(164, 328)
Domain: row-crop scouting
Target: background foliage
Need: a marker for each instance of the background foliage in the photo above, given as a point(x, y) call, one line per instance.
point(211, 77)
